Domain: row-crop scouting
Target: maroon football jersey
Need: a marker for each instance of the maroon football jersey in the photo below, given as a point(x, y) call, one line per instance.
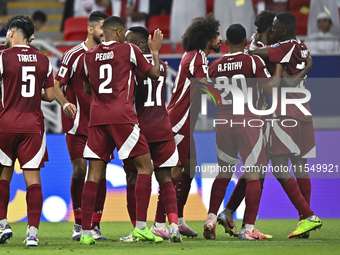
point(2, 46)
point(24, 72)
point(292, 54)
point(150, 106)
point(185, 94)
point(68, 74)
point(241, 70)
point(109, 68)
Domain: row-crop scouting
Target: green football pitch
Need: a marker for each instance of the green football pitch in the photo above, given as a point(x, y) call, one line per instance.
point(55, 238)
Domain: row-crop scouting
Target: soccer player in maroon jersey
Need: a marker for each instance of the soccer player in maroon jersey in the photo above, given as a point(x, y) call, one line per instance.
point(263, 23)
point(200, 38)
point(109, 78)
point(155, 123)
point(30, 71)
point(296, 144)
point(76, 106)
point(245, 72)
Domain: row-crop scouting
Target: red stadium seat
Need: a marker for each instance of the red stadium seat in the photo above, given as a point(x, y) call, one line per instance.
point(224, 48)
point(210, 6)
point(63, 49)
point(301, 23)
point(162, 22)
point(179, 49)
point(75, 29)
point(166, 49)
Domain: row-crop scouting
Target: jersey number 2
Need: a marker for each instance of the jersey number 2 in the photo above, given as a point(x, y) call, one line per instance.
point(102, 89)
point(30, 78)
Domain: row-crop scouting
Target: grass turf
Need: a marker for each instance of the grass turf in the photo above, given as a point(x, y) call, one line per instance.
point(55, 238)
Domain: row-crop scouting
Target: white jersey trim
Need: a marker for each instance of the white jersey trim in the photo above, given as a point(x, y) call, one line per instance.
point(286, 139)
point(36, 160)
point(172, 161)
point(130, 143)
point(178, 138)
point(192, 65)
point(132, 56)
point(226, 158)
point(310, 154)
point(254, 154)
point(4, 159)
point(69, 54)
point(74, 129)
point(88, 153)
point(180, 124)
point(185, 87)
point(286, 58)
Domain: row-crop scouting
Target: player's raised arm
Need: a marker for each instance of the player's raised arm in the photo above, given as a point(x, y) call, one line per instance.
point(275, 81)
point(154, 45)
point(294, 80)
point(260, 51)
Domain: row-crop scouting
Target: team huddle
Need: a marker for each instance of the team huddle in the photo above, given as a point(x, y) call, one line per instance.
point(111, 88)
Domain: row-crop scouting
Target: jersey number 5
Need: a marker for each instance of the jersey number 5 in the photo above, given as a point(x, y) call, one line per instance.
point(30, 78)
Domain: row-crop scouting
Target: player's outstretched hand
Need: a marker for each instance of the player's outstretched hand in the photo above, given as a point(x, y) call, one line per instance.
point(156, 43)
point(70, 110)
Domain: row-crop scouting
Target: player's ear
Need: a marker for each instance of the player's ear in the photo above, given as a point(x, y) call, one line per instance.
point(226, 42)
point(90, 30)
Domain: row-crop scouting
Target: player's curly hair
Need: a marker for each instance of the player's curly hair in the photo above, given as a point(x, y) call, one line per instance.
point(264, 20)
point(24, 23)
point(200, 31)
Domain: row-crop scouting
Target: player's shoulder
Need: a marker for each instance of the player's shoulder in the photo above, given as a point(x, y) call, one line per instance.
point(74, 52)
point(194, 57)
point(257, 59)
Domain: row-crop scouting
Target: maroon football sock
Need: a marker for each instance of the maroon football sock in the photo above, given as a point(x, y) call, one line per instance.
point(76, 192)
point(88, 202)
point(305, 187)
point(217, 194)
point(238, 194)
point(34, 200)
point(99, 207)
point(168, 193)
point(183, 188)
point(293, 191)
point(160, 211)
point(142, 194)
point(131, 203)
point(4, 198)
point(252, 198)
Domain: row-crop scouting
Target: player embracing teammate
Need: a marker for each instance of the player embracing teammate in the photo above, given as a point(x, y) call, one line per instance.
point(296, 144)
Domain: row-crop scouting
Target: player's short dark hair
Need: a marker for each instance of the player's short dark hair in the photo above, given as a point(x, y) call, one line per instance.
point(39, 15)
point(140, 31)
point(200, 31)
point(264, 20)
point(113, 21)
point(287, 20)
point(24, 23)
point(236, 34)
point(97, 16)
